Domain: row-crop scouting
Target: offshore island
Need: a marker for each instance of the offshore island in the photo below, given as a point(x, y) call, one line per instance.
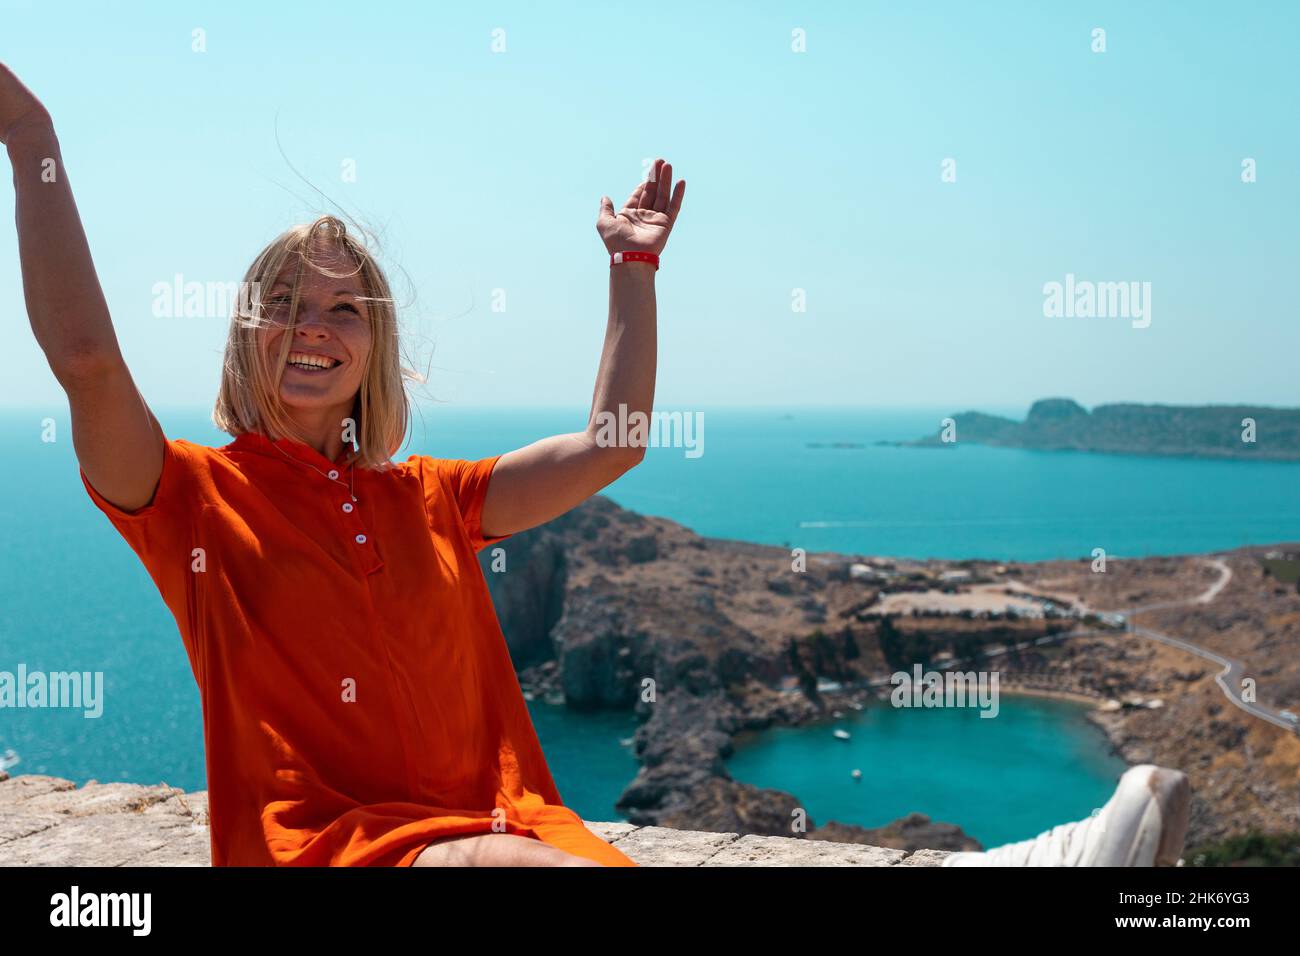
point(1201, 431)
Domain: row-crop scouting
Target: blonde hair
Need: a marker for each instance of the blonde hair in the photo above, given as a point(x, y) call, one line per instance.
point(249, 398)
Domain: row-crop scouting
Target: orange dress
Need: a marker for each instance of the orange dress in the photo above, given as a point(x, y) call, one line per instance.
point(358, 696)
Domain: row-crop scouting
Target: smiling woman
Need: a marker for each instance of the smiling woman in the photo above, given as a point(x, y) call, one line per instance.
point(309, 344)
point(360, 705)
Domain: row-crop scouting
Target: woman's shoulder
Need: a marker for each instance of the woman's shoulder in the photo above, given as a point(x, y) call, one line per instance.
point(424, 470)
point(196, 455)
point(410, 467)
point(433, 469)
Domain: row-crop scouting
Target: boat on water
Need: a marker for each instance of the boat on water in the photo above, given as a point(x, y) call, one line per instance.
point(841, 734)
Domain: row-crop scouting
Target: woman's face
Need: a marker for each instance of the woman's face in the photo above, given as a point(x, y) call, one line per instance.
point(331, 340)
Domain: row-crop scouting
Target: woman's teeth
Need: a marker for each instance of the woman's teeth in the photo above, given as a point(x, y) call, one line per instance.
point(312, 363)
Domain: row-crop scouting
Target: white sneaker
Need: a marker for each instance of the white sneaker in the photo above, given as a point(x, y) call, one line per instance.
point(1143, 824)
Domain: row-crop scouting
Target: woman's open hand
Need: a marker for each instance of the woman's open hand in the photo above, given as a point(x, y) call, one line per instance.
point(646, 219)
point(19, 107)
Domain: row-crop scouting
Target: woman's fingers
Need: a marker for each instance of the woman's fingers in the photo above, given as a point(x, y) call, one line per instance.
point(634, 200)
point(606, 211)
point(657, 193)
point(675, 206)
point(651, 186)
point(664, 193)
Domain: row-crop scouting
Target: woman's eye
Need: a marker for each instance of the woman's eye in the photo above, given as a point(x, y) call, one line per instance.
point(345, 305)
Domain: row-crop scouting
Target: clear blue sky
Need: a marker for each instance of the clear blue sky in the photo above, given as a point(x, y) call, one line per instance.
point(818, 170)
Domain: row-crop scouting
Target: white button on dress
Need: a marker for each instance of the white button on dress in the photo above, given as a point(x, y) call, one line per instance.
point(347, 507)
point(361, 539)
point(333, 475)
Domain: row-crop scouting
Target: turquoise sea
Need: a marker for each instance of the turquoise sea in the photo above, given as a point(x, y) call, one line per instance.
point(1037, 764)
point(73, 597)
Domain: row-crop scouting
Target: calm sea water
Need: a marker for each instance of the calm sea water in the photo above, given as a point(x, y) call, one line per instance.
point(1037, 764)
point(73, 597)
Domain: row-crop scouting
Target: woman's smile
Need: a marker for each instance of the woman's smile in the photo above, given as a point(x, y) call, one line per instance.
point(312, 363)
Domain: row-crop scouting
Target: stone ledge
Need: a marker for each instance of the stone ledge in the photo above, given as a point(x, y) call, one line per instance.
point(46, 821)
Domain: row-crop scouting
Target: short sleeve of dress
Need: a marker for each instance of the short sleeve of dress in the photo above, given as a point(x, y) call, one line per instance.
point(162, 532)
point(173, 484)
point(463, 482)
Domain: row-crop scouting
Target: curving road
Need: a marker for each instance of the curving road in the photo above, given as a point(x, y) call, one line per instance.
point(1232, 670)
point(1230, 675)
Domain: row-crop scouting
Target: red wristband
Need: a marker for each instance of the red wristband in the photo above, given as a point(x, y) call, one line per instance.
point(633, 256)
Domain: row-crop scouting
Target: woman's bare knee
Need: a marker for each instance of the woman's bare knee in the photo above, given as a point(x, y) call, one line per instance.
point(495, 849)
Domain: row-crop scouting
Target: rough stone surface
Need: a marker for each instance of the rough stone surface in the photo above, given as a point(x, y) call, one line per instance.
point(752, 850)
point(45, 821)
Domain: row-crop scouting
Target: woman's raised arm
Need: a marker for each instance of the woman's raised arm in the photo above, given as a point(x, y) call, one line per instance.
point(534, 484)
point(118, 441)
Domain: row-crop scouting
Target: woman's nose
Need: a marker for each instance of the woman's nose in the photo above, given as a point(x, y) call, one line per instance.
point(310, 326)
